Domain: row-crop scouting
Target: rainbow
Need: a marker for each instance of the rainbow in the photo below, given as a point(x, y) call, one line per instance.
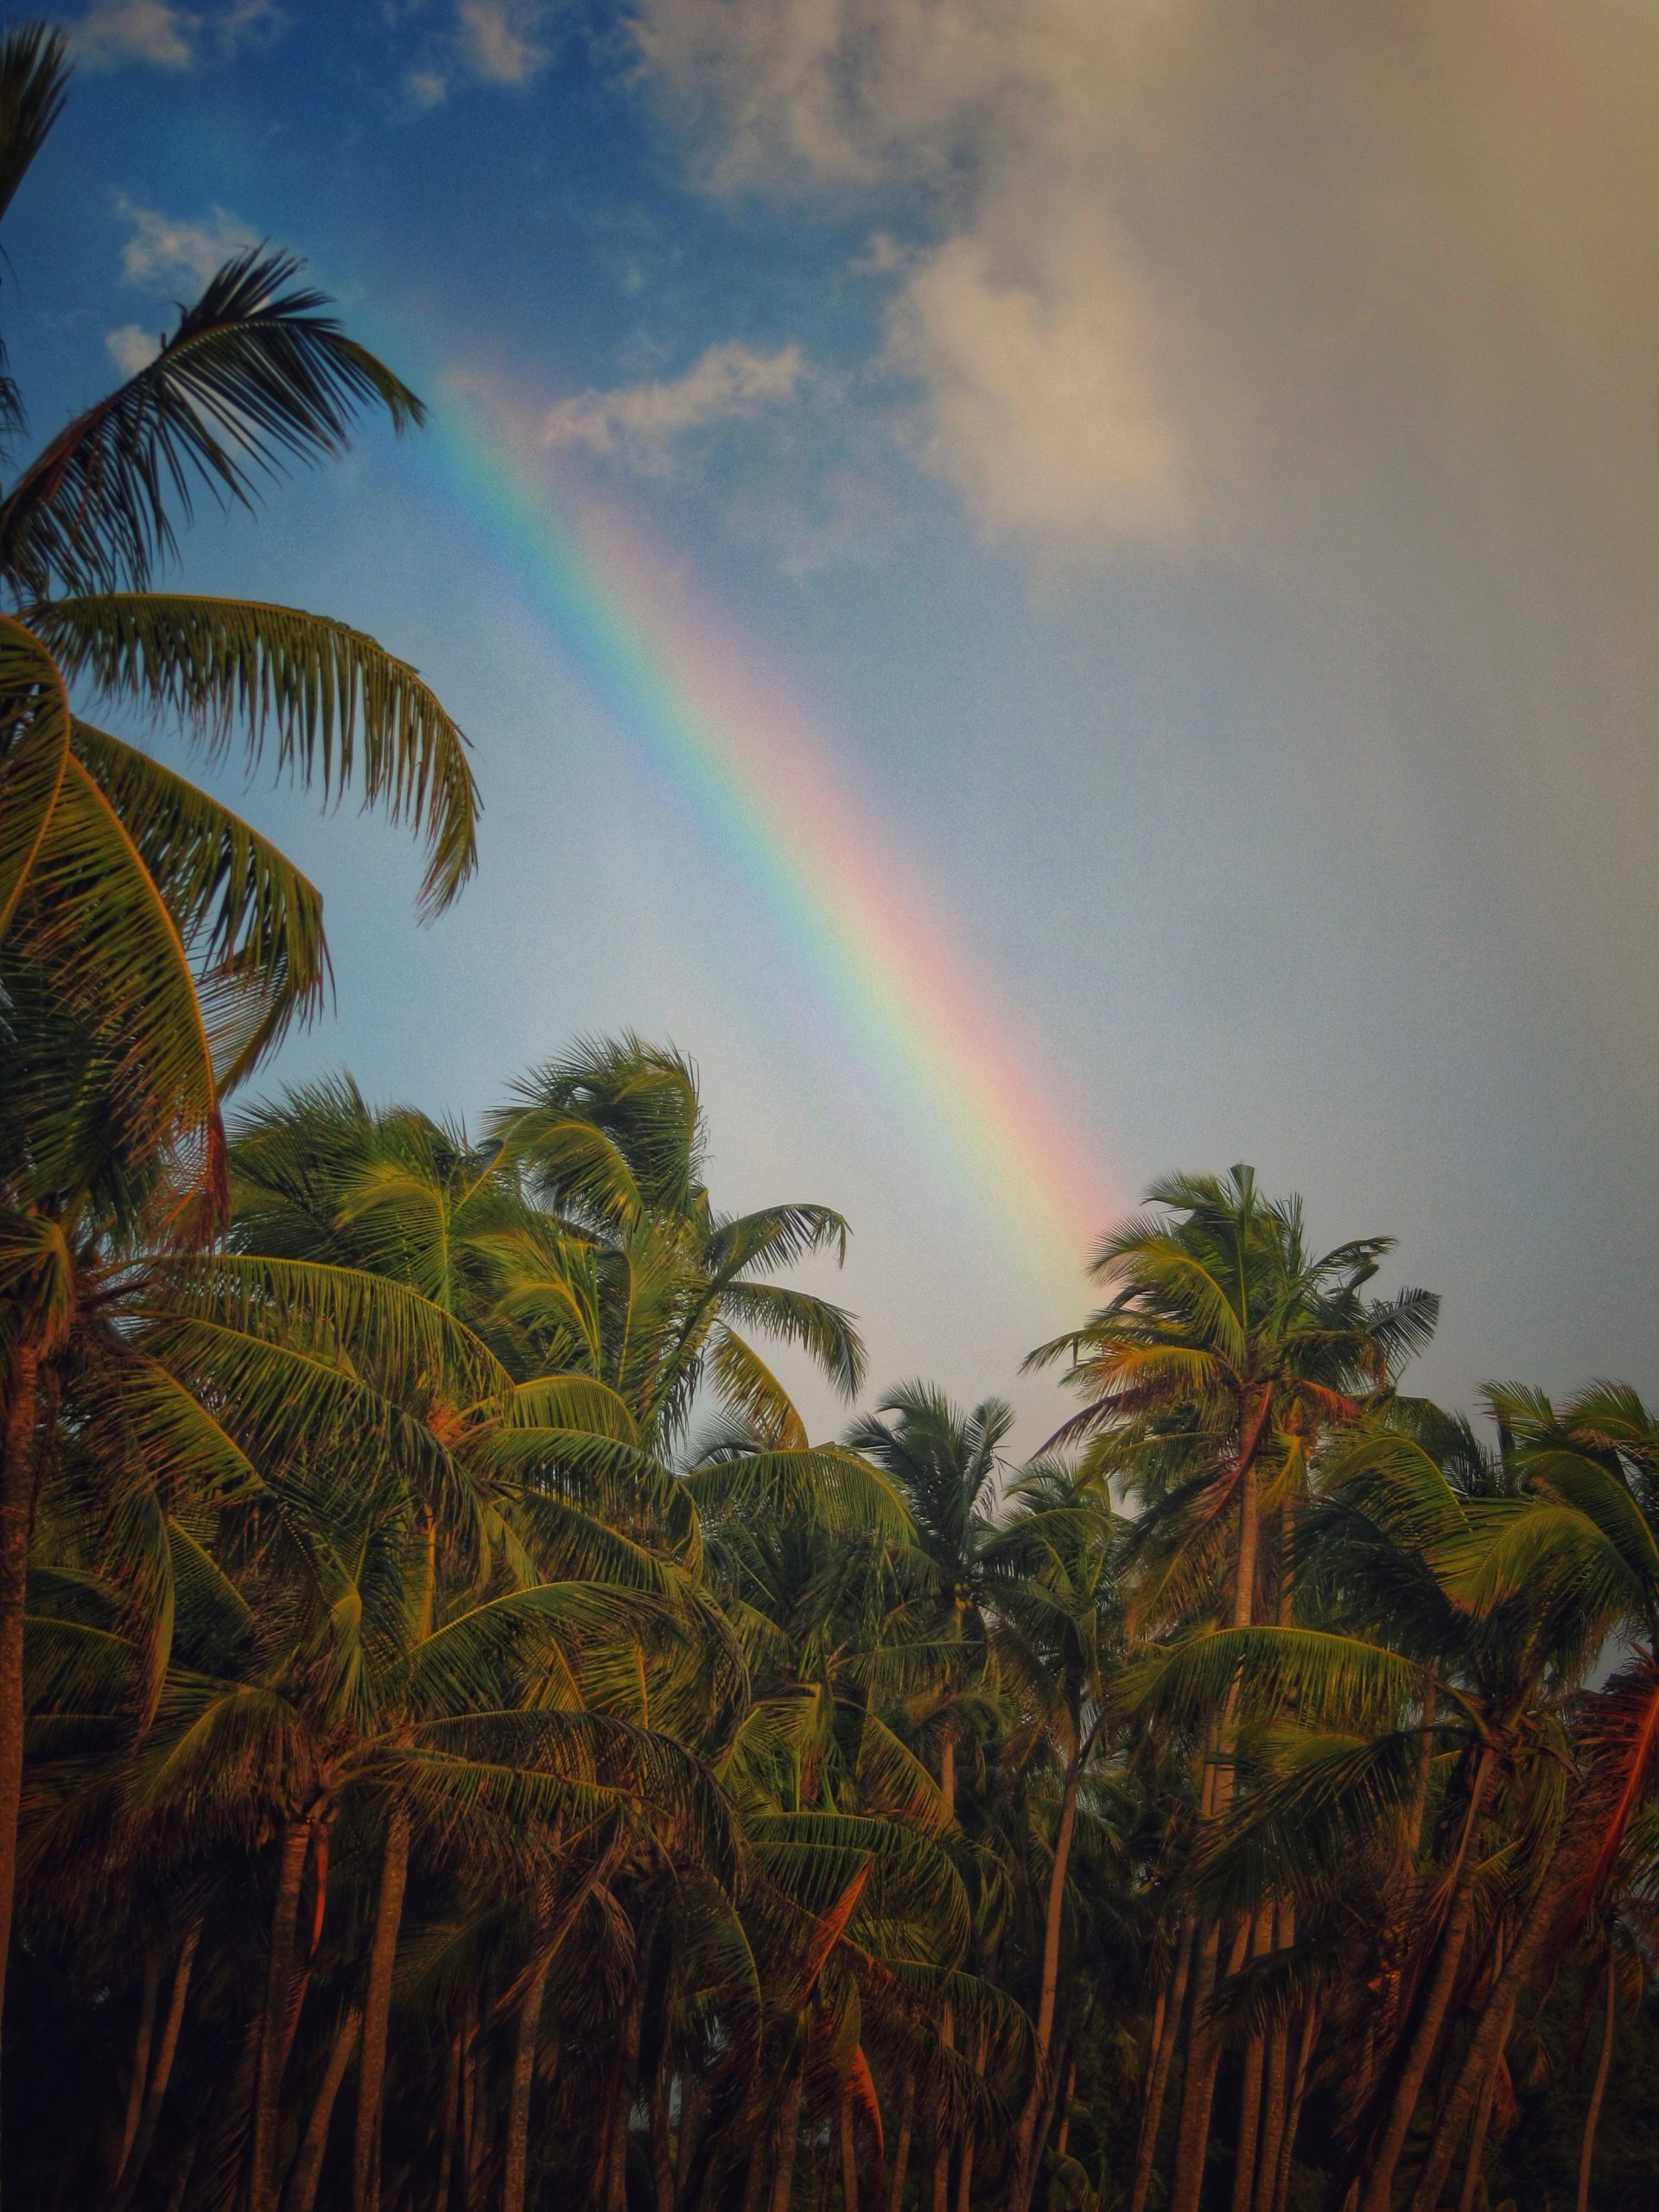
point(667, 671)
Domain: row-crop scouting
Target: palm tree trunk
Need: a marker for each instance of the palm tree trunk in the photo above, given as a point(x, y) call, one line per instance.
point(901, 2143)
point(1277, 2085)
point(1202, 2044)
point(789, 2125)
point(965, 2165)
point(142, 2041)
point(1492, 2029)
point(621, 2111)
point(1198, 2087)
point(693, 2106)
point(451, 2126)
point(161, 2073)
point(662, 2147)
point(377, 2009)
point(1586, 2156)
point(1478, 2144)
point(1249, 2106)
point(301, 2194)
point(755, 2173)
point(17, 1512)
point(524, 2080)
point(1306, 2043)
point(1378, 2191)
point(1163, 2055)
point(1028, 2149)
point(466, 2127)
point(273, 2035)
point(1065, 2134)
point(938, 2195)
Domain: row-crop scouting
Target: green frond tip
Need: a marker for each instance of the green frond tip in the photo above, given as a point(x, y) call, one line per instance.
point(253, 377)
point(328, 703)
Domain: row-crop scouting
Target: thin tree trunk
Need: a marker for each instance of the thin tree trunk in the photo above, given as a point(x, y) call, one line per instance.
point(17, 1512)
point(1492, 2028)
point(142, 2041)
point(451, 2125)
point(377, 2009)
point(1065, 2135)
point(1203, 2045)
point(754, 2174)
point(1249, 2103)
point(160, 2074)
point(938, 2194)
point(901, 2143)
point(273, 2039)
point(789, 2127)
point(475, 2141)
point(467, 2133)
point(616, 2163)
point(523, 2079)
point(1377, 2193)
point(1162, 2058)
point(1199, 2086)
point(965, 2166)
point(301, 2192)
point(1478, 2144)
point(1587, 2157)
point(693, 2106)
point(1273, 2095)
point(1028, 2149)
point(662, 2147)
point(1306, 2043)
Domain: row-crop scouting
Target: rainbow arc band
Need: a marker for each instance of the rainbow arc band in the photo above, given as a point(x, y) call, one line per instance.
point(672, 677)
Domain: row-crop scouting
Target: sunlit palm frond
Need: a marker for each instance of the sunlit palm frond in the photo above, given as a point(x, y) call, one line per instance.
point(328, 706)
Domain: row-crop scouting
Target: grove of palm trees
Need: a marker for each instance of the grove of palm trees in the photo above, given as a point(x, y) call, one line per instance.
point(465, 1746)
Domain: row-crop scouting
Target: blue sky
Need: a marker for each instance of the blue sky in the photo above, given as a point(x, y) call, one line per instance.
point(1194, 467)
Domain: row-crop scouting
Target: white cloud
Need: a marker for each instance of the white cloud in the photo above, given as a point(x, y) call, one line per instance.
point(117, 31)
point(499, 40)
point(166, 36)
point(1203, 265)
point(132, 347)
point(640, 422)
point(161, 252)
point(1044, 404)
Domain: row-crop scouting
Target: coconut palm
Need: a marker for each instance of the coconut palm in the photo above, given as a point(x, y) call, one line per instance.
point(153, 947)
point(1227, 1344)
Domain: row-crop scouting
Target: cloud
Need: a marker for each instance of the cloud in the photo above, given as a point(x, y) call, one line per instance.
point(491, 42)
point(161, 252)
point(426, 88)
point(1347, 313)
point(115, 32)
point(640, 422)
point(499, 40)
point(1044, 404)
point(132, 347)
point(1206, 265)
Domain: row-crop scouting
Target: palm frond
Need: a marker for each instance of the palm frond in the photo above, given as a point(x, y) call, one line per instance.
point(327, 705)
point(253, 376)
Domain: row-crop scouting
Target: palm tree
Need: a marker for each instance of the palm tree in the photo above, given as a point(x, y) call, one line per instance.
point(611, 1141)
point(153, 947)
point(1227, 1343)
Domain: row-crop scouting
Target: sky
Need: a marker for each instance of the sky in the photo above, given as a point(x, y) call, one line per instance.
point(1054, 592)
